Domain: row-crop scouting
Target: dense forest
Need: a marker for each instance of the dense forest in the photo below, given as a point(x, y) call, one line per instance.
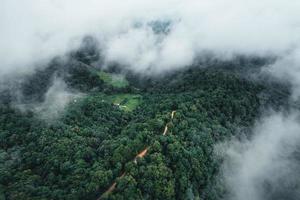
point(93, 144)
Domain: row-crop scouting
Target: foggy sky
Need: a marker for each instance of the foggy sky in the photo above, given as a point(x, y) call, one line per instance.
point(33, 31)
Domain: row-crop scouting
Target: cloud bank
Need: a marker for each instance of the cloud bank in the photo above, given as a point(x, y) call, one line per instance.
point(34, 31)
point(56, 99)
point(267, 166)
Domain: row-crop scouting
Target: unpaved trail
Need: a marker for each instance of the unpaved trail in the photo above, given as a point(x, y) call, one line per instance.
point(111, 188)
point(173, 114)
point(166, 130)
point(166, 127)
point(142, 154)
point(108, 191)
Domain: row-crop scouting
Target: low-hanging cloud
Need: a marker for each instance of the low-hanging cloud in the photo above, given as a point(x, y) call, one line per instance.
point(56, 98)
point(266, 166)
point(287, 69)
point(34, 31)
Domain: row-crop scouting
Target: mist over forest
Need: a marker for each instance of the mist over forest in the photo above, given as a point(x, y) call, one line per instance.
point(149, 99)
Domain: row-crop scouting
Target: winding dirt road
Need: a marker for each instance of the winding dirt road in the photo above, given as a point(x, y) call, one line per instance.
point(142, 154)
point(173, 114)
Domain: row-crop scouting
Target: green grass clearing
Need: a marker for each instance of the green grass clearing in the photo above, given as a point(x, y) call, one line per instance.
point(126, 102)
point(115, 80)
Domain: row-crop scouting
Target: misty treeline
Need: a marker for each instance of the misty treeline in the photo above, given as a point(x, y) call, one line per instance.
point(82, 152)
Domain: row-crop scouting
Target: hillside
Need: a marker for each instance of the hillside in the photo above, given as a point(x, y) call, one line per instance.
point(122, 134)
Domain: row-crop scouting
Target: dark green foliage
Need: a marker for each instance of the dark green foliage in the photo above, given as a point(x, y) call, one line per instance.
point(94, 142)
point(88, 51)
point(34, 86)
point(81, 77)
